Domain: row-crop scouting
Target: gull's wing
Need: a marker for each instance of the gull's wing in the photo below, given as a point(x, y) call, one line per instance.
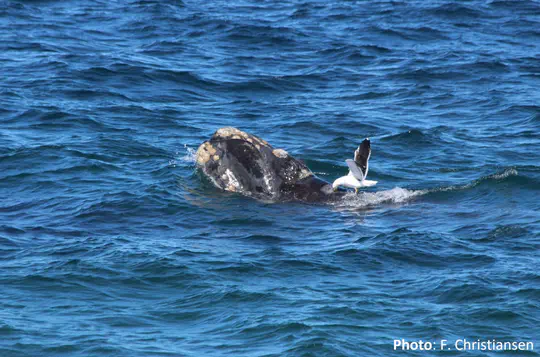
point(355, 170)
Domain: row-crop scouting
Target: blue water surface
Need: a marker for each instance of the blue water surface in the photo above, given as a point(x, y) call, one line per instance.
point(112, 244)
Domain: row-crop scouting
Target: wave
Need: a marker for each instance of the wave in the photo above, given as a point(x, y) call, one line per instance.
point(145, 3)
point(456, 11)
point(261, 34)
point(493, 177)
point(487, 66)
point(508, 234)
point(342, 54)
point(436, 136)
point(402, 195)
point(515, 5)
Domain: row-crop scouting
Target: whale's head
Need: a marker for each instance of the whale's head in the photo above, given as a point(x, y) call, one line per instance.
point(361, 156)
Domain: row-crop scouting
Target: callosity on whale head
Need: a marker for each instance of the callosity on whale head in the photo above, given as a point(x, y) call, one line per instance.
point(240, 162)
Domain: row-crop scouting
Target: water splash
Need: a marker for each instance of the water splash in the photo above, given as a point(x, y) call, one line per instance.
point(367, 199)
point(190, 156)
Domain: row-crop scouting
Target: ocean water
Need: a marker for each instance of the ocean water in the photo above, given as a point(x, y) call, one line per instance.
point(112, 244)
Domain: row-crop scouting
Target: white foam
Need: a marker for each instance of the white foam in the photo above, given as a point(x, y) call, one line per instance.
point(365, 199)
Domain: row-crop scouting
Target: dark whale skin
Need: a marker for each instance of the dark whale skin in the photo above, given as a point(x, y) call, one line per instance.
point(240, 162)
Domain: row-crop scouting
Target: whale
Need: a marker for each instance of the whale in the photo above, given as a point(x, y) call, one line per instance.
point(236, 161)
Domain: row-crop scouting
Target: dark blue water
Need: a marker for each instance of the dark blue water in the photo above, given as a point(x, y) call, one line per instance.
point(111, 244)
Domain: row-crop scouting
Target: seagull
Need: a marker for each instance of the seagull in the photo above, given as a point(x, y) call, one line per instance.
point(358, 169)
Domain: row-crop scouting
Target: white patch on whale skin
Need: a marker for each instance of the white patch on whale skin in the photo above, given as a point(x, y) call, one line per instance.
point(230, 131)
point(327, 189)
point(282, 154)
point(232, 181)
point(305, 173)
point(267, 182)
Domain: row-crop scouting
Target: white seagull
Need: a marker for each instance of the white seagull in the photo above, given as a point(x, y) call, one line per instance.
point(358, 169)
